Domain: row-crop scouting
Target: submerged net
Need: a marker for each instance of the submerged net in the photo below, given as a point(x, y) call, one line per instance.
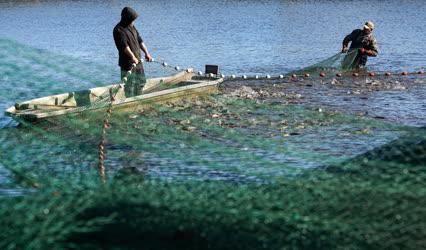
point(237, 170)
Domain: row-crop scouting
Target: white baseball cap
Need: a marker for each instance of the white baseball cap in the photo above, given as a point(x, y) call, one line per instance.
point(369, 25)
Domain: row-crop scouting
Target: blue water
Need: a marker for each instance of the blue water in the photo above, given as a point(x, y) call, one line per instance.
point(241, 36)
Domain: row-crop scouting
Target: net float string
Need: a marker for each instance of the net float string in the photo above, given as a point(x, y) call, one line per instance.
point(166, 65)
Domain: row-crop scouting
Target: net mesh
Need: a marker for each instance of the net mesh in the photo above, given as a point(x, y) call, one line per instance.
point(252, 167)
point(336, 63)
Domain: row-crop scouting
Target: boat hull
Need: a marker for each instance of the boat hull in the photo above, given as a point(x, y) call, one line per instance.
point(76, 103)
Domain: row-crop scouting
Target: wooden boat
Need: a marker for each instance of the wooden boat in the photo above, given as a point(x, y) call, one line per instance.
point(180, 86)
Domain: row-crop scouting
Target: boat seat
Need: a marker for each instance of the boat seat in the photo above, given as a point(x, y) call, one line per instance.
point(51, 102)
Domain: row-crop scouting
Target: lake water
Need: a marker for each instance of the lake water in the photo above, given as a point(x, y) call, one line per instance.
point(49, 47)
point(241, 36)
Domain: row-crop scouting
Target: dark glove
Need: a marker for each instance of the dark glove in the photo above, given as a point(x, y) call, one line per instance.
point(370, 52)
point(367, 52)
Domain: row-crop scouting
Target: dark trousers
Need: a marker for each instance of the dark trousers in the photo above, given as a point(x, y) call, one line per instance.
point(135, 81)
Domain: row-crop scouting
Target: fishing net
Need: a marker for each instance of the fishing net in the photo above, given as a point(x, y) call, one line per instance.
point(336, 63)
point(247, 168)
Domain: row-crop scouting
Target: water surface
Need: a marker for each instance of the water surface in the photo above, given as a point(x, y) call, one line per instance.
point(241, 36)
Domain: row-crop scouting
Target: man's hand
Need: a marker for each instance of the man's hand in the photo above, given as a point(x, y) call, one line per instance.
point(135, 60)
point(344, 49)
point(148, 57)
point(367, 52)
point(129, 52)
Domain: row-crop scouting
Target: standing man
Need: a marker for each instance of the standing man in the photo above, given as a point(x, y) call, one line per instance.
point(129, 44)
point(363, 41)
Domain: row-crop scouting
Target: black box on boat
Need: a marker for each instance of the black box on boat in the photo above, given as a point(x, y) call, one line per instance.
point(212, 69)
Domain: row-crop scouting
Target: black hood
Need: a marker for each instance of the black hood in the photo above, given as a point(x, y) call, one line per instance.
point(128, 15)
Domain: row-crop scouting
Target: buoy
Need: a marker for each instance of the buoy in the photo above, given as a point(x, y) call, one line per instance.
point(322, 74)
point(281, 76)
point(188, 70)
point(200, 73)
point(233, 76)
point(387, 74)
point(257, 77)
point(164, 64)
point(339, 75)
point(404, 73)
point(268, 77)
point(307, 75)
point(244, 77)
point(421, 72)
point(222, 76)
point(177, 68)
point(211, 75)
point(371, 74)
point(294, 76)
point(355, 74)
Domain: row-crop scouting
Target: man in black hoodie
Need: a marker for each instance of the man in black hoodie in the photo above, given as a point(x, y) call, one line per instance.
point(129, 44)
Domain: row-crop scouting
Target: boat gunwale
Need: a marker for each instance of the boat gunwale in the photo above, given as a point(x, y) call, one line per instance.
point(205, 83)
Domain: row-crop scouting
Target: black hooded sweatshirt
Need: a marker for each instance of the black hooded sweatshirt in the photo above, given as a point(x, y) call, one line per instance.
point(127, 35)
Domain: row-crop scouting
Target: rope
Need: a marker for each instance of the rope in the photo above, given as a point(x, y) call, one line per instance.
point(164, 64)
point(112, 93)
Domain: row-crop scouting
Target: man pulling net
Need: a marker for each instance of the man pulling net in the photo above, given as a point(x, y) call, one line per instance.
point(129, 44)
point(363, 45)
point(364, 42)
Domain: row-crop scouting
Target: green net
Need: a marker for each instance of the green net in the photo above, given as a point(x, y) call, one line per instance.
point(252, 167)
point(336, 63)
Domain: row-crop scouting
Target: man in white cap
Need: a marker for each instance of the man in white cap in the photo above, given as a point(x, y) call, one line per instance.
point(363, 41)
